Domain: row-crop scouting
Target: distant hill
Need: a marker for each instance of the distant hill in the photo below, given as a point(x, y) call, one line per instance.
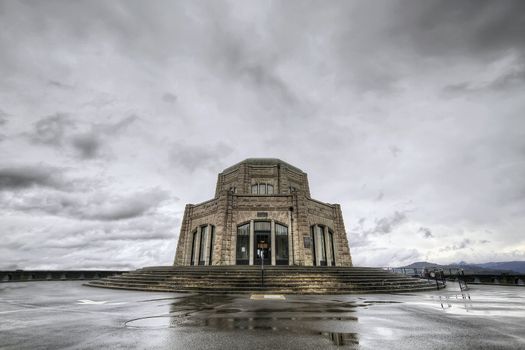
point(517, 266)
point(491, 267)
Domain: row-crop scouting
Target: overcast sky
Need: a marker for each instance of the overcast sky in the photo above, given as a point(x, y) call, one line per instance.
point(115, 114)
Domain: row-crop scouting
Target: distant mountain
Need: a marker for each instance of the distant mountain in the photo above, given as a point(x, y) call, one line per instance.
point(421, 264)
point(492, 267)
point(517, 266)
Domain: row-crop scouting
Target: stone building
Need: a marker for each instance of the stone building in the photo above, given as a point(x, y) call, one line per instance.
point(262, 209)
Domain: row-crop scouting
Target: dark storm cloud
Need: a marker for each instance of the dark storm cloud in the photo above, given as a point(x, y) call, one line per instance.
point(91, 237)
point(88, 145)
point(261, 76)
point(359, 239)
point(191, 158)
point(54, 130)
point(362, 237)
point(59, 85)
point(51, 129)
point(465, 243)
point(387, 224)
point(95, 205)
point(471, 28)
point(3, 117)
point(112, 129)
point(427, 233)
point(405, 37)
point(14, 178)
point(394, 150)
point(3, 121)
point(236, 52)
point(169, 98)
point(359, 236)
point(514, 79)
point(406, 255)
point(120, 208)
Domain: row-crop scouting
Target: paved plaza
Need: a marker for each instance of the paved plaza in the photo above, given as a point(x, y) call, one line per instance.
point(68, 315)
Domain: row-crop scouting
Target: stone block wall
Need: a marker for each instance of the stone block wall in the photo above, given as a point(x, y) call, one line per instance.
point(234, 205)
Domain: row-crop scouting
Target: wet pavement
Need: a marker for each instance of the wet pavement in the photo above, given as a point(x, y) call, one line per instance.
point(67, 315)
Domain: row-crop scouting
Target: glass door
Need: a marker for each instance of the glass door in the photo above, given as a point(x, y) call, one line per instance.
point(262, 243)
point(262, 248)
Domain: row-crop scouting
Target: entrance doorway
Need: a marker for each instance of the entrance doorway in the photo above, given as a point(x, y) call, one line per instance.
point(262, 243)
point(262, 248)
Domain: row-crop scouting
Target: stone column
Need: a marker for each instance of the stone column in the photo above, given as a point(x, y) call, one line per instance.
point(328, 247)
point(272, 235)
point(250, 248)
point(318, 249)
point(196, 252)
point(207, 245)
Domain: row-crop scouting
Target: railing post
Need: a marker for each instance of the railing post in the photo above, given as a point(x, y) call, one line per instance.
point(261, 254)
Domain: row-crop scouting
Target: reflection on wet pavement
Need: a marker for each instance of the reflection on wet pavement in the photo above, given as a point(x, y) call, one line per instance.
point(462, 299)
point(227, 313)
point(48, 315)
point(341, 338)
point(292, 316)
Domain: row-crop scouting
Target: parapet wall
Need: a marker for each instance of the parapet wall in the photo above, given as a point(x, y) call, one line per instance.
point(54, 275)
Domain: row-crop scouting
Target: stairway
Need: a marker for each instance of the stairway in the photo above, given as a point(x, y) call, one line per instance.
point(277, 279)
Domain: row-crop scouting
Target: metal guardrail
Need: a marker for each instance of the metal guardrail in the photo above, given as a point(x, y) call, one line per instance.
point(464, 277)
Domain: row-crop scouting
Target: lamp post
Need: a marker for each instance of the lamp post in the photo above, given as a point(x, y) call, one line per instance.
point(261, 246)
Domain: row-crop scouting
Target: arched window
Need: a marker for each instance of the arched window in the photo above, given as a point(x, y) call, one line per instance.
point(319, 248)
point(202, 241)
point(313, 243)
point(212, 242)
point(331, 239)
point(281, 244)
point(322, 245)
point(202, 245)
point(243, 241)
point(262, 189)
point(193, 247)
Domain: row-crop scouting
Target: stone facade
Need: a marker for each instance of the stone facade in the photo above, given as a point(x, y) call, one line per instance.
point(263, 210)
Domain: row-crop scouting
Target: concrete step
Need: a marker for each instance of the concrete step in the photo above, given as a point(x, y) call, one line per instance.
point(283, 279)
point(334, 287)
point(267, 290)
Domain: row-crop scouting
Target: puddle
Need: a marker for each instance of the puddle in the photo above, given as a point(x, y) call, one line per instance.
point(275, 324)
point(267, 296)
point(309, 309)
point(227, 311)
point(232, 313)
point(382, 302)
point(170, 321)
point(342, 338)
point(154, 322)
point(159, 299)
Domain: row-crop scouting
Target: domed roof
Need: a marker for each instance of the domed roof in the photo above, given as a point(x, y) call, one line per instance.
point(263, 161)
